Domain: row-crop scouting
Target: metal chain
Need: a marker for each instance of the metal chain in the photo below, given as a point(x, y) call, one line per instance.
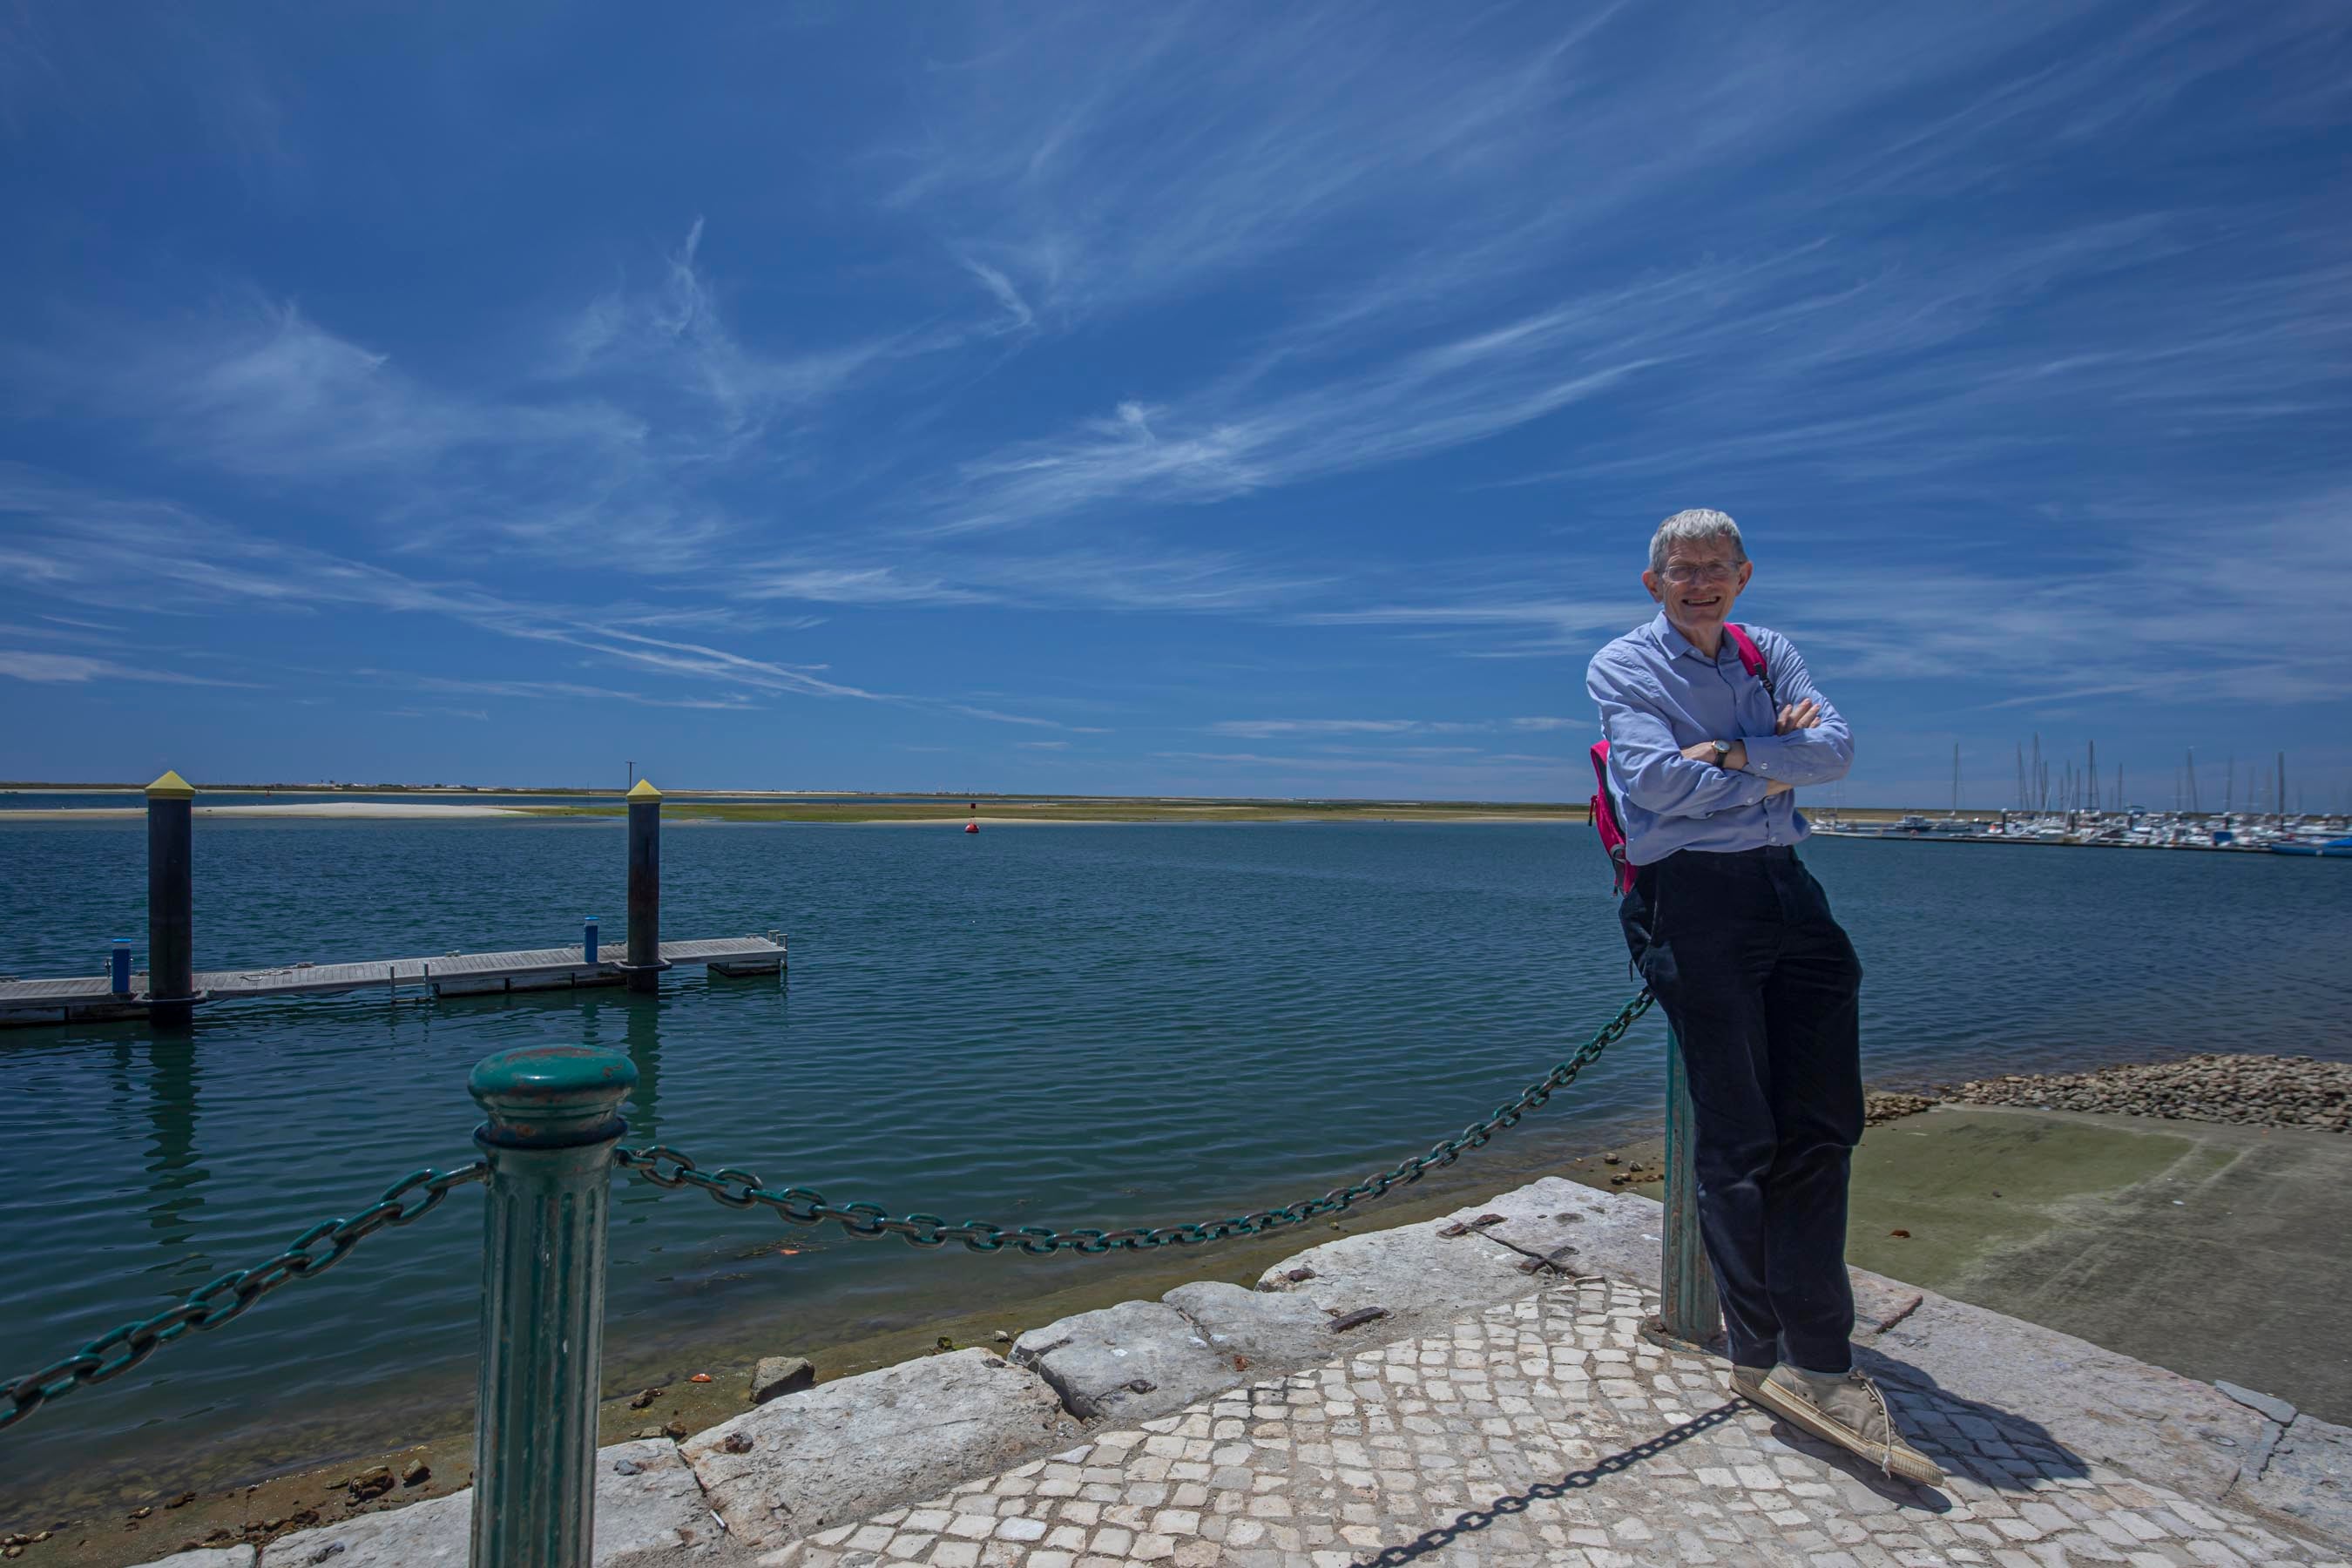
point(1431, 1542)
point(804, 1206)
point(210, 1305)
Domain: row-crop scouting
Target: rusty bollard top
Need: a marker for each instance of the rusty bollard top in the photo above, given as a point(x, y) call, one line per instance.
point(551, 1097)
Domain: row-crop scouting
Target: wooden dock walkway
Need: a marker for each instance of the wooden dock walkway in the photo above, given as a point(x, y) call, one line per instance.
point(82, 998)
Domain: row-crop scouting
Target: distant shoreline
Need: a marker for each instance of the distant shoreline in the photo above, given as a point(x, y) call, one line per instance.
point(835, 807)
point(685, 814)
point(340, 810)
point(907, 804)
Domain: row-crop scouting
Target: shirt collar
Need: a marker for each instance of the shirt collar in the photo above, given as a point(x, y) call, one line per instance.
point(1675, 643)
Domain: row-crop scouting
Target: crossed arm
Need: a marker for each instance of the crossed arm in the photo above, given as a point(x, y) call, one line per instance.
point(1810, 744)
point(1793, 716)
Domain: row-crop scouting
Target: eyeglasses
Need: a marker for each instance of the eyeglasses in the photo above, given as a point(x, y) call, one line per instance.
point(1683, 572)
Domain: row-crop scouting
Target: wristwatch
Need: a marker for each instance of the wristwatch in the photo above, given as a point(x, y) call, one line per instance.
point(1722, 749)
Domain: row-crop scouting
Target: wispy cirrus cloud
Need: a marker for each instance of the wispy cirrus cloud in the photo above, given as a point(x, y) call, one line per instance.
point(848, 585)
point(53, 668)
point(1211, 451)
point(258, 388)
point(87, 545)
point(679, 334)
point(548, 690)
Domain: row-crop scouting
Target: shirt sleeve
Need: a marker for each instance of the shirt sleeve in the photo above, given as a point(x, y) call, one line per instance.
point(1645, 761)
point(1811, 756)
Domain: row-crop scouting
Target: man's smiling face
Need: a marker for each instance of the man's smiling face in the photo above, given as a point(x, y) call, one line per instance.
point(1699, 586)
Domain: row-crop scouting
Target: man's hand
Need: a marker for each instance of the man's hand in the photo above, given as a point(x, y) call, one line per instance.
point(1736, 760)
point(1799, 716)
point(1730, 761)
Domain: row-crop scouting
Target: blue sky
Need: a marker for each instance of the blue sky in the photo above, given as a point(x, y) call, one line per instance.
point(1216, 399)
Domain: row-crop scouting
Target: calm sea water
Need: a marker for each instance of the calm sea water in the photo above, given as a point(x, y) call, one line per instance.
point(1069, 1025)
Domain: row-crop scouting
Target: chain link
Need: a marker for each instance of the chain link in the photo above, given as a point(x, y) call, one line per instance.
point(667, 1167)
point(216, 1302)
point(1431, 1542)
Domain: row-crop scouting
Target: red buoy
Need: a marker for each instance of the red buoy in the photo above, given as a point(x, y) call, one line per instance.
point(971, 827)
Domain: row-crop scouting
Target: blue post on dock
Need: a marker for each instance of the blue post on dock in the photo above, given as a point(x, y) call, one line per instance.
point(588, 939)
point(119, 978)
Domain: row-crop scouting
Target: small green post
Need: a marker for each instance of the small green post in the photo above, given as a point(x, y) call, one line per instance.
point(553, 1120)
point(1689, 1309)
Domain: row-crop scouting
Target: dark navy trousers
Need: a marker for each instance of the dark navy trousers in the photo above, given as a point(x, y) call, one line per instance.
point(1763, 989)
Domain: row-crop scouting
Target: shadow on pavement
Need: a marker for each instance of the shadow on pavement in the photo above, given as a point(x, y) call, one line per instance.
point(1445, 1535)
point(1996, 1448)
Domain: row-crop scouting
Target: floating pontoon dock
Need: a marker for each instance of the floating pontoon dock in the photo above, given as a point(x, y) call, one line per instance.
point(171, 987)
point(92, 997)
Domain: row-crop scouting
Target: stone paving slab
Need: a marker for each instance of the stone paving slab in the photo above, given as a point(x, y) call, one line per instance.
point(1546, 1430)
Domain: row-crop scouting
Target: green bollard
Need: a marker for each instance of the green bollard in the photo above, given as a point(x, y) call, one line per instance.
point(553, 1120)
point(1688, 1307)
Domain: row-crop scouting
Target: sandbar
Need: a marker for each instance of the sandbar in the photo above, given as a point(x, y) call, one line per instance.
point(381, 809)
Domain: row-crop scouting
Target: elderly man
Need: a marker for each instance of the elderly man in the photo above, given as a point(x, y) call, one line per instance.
point(1736, 941)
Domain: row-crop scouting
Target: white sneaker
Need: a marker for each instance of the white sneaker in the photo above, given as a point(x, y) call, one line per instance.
point(1848, 1411)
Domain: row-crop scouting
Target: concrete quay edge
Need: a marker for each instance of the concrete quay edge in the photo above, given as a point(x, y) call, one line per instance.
point(750, 1489)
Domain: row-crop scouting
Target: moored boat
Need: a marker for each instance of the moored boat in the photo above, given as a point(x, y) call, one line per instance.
point(2330, 849)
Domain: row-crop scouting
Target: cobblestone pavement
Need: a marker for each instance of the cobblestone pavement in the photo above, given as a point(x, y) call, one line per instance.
point(1545, 1431)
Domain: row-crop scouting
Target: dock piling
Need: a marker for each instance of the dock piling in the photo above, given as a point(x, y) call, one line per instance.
point(588, 939)
point(1689, 1309)
point(645, 963)
point(170, 899)
point(553, 1120)
point(119, 970)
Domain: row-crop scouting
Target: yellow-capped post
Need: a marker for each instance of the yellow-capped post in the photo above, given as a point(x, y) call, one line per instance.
point(645, 966)
point(170, 899)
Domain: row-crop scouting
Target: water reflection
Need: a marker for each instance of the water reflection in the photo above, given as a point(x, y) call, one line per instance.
point(641, 1037)
point(175, 1177)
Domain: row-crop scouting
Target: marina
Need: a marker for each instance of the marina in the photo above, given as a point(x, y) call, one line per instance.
point(2323, 838)
point(2064, 808)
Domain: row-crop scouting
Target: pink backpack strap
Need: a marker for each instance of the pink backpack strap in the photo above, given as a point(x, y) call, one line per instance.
point(1752, 658)
point(1604, 819)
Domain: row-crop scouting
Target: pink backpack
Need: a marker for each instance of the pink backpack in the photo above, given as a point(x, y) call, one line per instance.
point(1604, 802)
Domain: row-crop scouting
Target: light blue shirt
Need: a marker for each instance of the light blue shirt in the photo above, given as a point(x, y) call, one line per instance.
point(1658, 694)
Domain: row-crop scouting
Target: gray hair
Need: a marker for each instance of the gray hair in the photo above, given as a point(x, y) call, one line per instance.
point(1690, 528)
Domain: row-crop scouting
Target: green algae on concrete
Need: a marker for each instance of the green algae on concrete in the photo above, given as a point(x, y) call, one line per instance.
point(2217, 1251)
